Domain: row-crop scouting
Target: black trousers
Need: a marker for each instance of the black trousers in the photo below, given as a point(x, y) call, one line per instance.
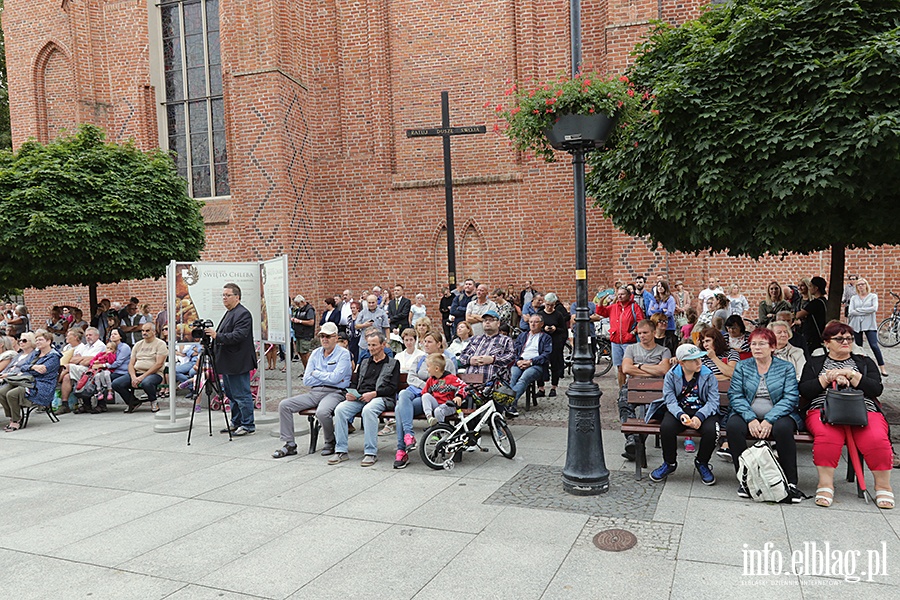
point(668, 436)
point(782, 432)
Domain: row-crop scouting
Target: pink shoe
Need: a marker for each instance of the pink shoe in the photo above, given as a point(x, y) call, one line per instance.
point(401, 460)
point(689, 445)
point(409, 440)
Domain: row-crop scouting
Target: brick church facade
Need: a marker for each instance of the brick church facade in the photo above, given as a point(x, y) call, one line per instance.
point(289, 119)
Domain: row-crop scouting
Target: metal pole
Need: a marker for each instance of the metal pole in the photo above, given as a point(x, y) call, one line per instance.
point(575, 34)
point(585, 472)
point(448, 193)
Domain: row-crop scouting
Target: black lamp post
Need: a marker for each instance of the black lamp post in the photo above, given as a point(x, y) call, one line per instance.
point(585, 473)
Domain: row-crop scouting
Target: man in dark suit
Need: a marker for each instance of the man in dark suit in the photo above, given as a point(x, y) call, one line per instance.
point(235, 358)
point(398, 310)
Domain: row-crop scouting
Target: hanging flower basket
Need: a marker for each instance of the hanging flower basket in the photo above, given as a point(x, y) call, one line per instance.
point(545, 117)
point(571, 132)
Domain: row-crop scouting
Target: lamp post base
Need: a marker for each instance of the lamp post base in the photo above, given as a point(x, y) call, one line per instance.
point(585, 473)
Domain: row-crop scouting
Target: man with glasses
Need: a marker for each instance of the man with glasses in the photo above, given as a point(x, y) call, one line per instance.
point(328, 377)
point(235, 358)
point(144, 370)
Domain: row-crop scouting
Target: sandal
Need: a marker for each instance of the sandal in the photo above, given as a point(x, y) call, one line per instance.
point(884, 499)
point(288, 450)
point(11, 426)
point(824, 501)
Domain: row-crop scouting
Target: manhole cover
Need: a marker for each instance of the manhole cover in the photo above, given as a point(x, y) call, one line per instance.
point(615, 540)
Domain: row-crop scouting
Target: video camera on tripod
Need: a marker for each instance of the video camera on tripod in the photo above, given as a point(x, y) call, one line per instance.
point(198, 332)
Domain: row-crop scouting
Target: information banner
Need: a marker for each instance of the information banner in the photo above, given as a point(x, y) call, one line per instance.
point(273, 292)
point(198, 294)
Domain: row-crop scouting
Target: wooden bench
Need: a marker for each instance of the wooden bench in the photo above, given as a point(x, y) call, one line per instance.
point(643, 391)
point(315, 427)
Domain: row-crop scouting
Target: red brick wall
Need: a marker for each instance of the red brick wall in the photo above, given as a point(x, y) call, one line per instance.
point(318, 98)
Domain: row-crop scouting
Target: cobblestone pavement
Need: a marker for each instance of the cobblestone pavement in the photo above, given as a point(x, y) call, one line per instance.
point(538, 486)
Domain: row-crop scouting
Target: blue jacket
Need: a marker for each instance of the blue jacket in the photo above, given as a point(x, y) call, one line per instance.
point(44, 383)
point(545, 347)
point(709, 391)
point(781, 380)
point(458, 308)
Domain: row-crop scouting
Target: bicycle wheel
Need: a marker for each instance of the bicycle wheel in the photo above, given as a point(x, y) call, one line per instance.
point(433, 448)
point(502, 436)
point(567, 357)
point(604, 357)
point(889, 332)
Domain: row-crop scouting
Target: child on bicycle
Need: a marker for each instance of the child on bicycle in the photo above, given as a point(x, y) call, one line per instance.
point(443, 392)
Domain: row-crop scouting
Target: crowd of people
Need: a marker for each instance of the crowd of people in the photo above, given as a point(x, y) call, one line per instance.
point(779, 362)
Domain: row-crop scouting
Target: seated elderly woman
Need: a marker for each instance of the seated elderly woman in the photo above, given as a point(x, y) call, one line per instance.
point(783, 348)
point(42, 364)
point(763, 397)
point(690, 399)
point(838, 366)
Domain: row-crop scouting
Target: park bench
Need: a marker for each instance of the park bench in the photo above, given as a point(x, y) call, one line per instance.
point(315, 427)
point(38, 408)
point(643, 391)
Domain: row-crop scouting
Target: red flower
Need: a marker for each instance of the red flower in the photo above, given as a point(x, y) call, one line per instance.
point(550, 101)
point(591, 110)
point(587, 82)
point(536, 112)
point(559, 93)
point(623, 79)
point(630, 92)
point(496, 128)
point(499, 108)
point(515, 110)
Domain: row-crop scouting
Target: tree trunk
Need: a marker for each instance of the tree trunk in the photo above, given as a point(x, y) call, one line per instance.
point(92, 300)
point(836, 282)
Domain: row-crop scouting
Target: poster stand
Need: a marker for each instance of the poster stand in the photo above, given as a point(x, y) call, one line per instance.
point(193, 291)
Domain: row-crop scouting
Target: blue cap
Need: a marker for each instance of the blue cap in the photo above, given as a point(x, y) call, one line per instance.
point(491, 313)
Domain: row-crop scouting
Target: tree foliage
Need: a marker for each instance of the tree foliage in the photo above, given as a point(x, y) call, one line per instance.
point(775, 127)
point(81, 211)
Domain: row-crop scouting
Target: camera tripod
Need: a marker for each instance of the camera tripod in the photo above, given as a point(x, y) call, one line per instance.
point(206, 379)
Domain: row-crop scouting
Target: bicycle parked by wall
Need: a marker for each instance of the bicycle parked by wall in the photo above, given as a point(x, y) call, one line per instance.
point(889, 329)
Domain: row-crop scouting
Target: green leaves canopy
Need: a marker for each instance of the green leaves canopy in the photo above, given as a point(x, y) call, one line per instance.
point(778, 130)
point(80, 211)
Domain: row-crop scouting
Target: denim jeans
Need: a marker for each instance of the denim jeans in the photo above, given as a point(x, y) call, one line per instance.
point(122, 385)
point(184, 372)
point(237, 387)
point(409, 404)
point(370, 410)
point(519, 380)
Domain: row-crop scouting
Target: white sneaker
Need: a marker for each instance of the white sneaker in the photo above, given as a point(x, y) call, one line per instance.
point(432, 421)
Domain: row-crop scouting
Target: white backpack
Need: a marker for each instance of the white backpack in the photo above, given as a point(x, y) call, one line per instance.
point(760, 473)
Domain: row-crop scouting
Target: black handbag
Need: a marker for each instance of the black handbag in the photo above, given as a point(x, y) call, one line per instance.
point(844, 407)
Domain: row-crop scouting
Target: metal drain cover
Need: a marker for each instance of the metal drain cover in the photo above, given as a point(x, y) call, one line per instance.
point(615, 540)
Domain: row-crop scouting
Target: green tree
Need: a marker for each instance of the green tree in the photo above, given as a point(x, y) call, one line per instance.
point(5, 129)
point(775, 128)
point(81, 211)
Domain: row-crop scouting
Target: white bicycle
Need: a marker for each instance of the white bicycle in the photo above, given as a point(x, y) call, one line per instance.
point(444, 444)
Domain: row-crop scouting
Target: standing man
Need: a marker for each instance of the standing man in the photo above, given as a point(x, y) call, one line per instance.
point(477, 307)
point(235, 358)
point(458, 308)
point(527, 295)
point(849, 292)
point(303, 322)
point(372, 316)
point(642, 296)
point(712, 288)
point(328, 377)
point(398, 310)
point(624, 314)
point(346, 314)
point(131, 324)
